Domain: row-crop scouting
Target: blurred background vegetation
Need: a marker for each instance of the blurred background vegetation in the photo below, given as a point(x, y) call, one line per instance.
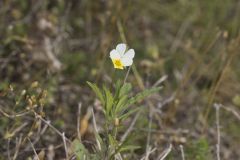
point(49, 49)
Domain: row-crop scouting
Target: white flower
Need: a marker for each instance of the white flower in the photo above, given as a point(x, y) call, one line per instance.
point(122, 58)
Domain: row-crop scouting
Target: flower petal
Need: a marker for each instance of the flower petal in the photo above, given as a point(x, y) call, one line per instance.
point(114, 54)
point(129, 54)
point(121, 48)
point(126, 61)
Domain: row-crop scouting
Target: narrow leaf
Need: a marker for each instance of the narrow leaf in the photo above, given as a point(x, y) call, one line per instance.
point(109, 100)
point(140, 96)
point(121, 103)
point(128, 148)
point(125, 89)
point(79, 149)
point(97, 91)
point(126, 115)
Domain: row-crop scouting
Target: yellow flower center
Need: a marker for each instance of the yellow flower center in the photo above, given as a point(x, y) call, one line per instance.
point(117, 63)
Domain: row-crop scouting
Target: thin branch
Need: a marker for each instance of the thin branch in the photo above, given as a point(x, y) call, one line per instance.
point(123, 138)
point(182, 30)
point(166, 131)
point(121, 31)
point(78, 120)
point(165, 153)
point(94, 122)
point(65, 145)
point(18, 144)
point(19, 128)
point(150, 151)
point(235, 113)
point(166, 101)
point(51, 126)
point(182, 152)
point(125, 79)
point(8, 152)
point(33, 149)
point(49, 52)
point(14, 116)
point(217, 106)
point(119, 156)
point(149, 134)
point(96, 129)
point(162, 79)
point(37, 137)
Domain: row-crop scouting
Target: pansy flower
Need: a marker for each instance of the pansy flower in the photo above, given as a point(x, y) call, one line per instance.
point(121, 57)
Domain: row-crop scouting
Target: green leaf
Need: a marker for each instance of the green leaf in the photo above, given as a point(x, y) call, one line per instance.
point(79, 150)
point(140, 96)
point(125, 89)
point(236, 100)
point(121, 103)
point(126, 115)
point(97, 92)
point(112, 141)
point(128, 148)
point(199, 150)
point(109, 100)
point(99, 139)
point(117, 89)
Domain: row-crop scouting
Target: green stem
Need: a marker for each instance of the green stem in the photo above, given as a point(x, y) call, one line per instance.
point(115, 130)
point(125, 79)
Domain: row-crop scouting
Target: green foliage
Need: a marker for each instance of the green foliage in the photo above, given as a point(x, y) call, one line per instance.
point(199, 150)
point(97, 91)
point(142, 95)
point(116, 107)
point(81, 152)
point(236, 100)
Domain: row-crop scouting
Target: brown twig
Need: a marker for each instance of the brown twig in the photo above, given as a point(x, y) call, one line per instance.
point(130, 128)
point(96, 129)
point(13, 116)
point(160, 81)
point(36, 155)
point(125, 79)
point(217, 106)
point(182, 152)
point(51, 126)
point(149, 151)
point(149, 134)
point(165, 153)
point(65, 145)
point(8, 151)
point(234, 112)
point(78, 120)
point(18, 144)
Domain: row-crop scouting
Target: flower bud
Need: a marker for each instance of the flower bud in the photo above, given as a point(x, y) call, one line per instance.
point(116, 122)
